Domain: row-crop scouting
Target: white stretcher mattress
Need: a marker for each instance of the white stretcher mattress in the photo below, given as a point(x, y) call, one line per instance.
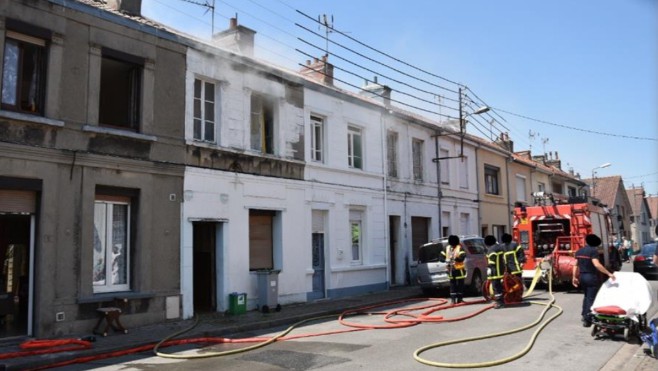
point(629, 291)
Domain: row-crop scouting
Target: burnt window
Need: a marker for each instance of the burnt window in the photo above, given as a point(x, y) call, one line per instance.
point(262, 124)
point(120, 90)
point(24, 73)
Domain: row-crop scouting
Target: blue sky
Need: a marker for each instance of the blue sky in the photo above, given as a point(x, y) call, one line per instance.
point(575, 77)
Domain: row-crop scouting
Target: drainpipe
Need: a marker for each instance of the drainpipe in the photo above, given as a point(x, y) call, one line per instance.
point(477, 189)
point(509, 202)
point(387, 255)
point(438, 180)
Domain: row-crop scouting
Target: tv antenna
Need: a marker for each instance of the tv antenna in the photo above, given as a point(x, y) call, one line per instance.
point(544, 141)
point(210, 8)
point(328, 28)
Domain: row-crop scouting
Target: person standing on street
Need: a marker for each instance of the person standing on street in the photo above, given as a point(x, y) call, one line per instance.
point(514, 255)
point(584, 274)
point(454, 257)
point(496, 269)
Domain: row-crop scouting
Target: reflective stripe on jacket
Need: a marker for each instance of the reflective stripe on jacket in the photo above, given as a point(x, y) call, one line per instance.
point(515, 258)
point(496, 261)
point(455, 254)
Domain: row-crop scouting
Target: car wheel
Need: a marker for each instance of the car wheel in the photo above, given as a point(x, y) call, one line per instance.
point(476, 283)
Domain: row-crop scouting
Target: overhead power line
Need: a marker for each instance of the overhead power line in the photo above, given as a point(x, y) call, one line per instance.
point(577, 129)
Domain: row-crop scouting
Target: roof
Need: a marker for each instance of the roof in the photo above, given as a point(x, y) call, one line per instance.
point(636, 198)
point(607, 188)
point(652, 201)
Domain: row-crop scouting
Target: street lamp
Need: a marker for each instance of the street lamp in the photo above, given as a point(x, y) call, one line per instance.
point(594, 174)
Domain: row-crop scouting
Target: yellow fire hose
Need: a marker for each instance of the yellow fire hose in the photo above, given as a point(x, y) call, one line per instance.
point(521, 353)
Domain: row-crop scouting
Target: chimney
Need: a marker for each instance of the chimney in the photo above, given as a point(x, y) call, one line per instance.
point(555, 162)
point(505, 142)
point(376, 91)
point(237, 38)
point(319, 70)
point(130, 7)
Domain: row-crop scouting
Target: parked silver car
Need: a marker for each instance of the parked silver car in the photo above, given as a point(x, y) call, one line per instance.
point(432, 271)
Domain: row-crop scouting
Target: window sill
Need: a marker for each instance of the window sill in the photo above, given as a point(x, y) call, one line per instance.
point(117, 132)
point(31, 118)
point(110, 296)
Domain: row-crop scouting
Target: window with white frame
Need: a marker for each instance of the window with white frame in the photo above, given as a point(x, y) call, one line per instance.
point(392, 153)
point(445, 166)
point(491, 180)
point(111, 245)
point(23, 73)
point(465, 223)
point(417, 155)
point(356, 235)
point(262, 124)
point(520, 188)
point(463, 172)
point(204, 110)
point(317, 138)
point(354, 148)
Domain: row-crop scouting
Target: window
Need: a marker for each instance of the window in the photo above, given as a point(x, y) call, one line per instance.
point(356, 231)
point(445, 168)
point(204, 110)
point(520, 188)
point(111, 244)
point(491, 180)
point(541, 187)
point(572, 191)
point(317, 139)
point(262, 124)
point(498, 231)
point(121, 87)
point(261, 239)
point(465, 223)
point(445, 224)
point(417, 154)
point(557, 188)
point(463, 173)
point(392, 153)
point(354, 148)
point(24, 73)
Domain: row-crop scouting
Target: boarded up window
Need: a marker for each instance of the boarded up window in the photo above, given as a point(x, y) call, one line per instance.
point(260, 239)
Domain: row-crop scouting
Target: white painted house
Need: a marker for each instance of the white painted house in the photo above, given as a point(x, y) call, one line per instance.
point(332, 190)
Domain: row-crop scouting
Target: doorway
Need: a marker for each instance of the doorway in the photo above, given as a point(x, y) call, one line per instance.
point(15, 275)
point(205, 266)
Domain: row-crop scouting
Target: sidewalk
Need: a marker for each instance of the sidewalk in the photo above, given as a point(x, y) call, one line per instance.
point(629, 356)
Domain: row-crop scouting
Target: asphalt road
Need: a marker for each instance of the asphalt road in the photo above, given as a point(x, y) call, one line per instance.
point(563, 344)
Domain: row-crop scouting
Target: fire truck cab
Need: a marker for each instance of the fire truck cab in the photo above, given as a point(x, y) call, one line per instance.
point(554, 228)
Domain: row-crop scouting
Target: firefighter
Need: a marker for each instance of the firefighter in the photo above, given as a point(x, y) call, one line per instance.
point(584, 275)
point(496, 269)
point(454, 257)
point(514, 255)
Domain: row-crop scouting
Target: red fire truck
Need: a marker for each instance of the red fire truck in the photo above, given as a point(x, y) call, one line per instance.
point(555, 228)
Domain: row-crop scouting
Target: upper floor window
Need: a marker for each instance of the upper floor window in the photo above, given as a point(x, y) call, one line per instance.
point(491, 180)
point(541, 187)
point(392, 153)
point(24, 73)
point(354, 148)
point(445, 166)
point(204, 110)
point(572, 192)
point(417, 154)
point(120, 90)
point(317, 139)
point(262, 124)
point(463, 173)
point(111, 247)
point(520, 189)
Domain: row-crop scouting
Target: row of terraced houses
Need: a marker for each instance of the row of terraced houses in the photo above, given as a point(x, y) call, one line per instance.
point(137, 162)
